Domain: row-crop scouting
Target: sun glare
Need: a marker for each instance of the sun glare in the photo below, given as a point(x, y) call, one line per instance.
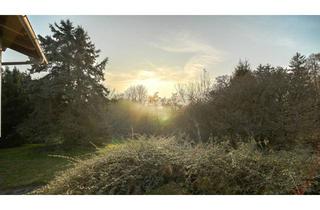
point(153, 85)
point(159, 112)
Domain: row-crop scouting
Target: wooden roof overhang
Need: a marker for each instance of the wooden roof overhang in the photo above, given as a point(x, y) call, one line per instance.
point(17, 34)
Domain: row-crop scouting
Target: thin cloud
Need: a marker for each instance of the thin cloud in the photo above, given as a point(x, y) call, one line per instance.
point(202, 55)
point(199, 56)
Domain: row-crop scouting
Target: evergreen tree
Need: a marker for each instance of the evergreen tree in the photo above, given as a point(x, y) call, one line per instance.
point(243, 68)
point(301, 99)
point(70, 98)
point(299, 73)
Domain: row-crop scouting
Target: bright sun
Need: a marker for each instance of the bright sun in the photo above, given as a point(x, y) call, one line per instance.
point(156, 85)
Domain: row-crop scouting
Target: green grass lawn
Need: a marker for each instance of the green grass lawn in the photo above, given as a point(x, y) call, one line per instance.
point(32, 165)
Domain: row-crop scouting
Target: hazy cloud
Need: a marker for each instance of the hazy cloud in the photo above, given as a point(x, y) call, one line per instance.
point(202, 55)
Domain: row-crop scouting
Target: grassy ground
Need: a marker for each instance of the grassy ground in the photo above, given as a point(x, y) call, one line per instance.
point(27, 167)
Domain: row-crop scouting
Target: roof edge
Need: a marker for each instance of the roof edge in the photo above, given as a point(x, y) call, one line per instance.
point(27, 25)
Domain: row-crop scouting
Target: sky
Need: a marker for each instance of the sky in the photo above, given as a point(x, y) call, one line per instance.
point(161, 51)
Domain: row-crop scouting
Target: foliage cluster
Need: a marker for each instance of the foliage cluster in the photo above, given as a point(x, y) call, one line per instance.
point(15, 106)
point(272, 104)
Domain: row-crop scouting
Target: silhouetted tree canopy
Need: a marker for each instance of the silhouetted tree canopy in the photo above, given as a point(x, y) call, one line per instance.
point(273, 105)
point(70, 98)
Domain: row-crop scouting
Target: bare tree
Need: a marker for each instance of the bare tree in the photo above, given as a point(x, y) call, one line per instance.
point(136, 93)
point(195, 91)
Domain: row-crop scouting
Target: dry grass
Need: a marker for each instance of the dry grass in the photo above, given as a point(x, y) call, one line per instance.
point(149, 166)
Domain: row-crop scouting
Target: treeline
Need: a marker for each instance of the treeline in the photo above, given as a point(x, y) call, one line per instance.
point(274, 105)
point(66, 103)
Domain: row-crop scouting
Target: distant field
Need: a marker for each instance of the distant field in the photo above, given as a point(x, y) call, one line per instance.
point(27, 167)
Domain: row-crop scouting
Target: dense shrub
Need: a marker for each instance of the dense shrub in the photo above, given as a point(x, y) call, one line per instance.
point(135, 167)
point(220, 169)
point(142, 166)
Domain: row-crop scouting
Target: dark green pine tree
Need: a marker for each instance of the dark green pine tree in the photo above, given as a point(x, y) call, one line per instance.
point(243, 68)
point(299, 77)
point(301, 98)
point(298, 68)
point(70, 97)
